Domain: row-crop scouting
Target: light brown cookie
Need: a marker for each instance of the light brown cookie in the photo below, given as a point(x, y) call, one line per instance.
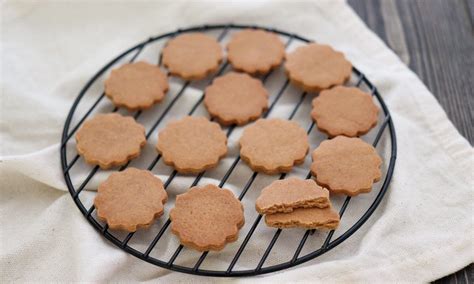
point(206, 218)
point(110, 140)
point(315, 67)
point(192, 56)
point(273, 145)
point(346, 165)
point(255, 51)
point(192, 144)
point(344, 111)
point(136, 86)
point(308, 218)
point(283, 196)
point(130, 199)
point(236, 98)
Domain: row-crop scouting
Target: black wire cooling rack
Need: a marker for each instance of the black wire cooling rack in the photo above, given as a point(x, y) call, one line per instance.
point(227, 267)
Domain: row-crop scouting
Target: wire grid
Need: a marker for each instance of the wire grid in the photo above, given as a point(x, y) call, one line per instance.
point(295, 258)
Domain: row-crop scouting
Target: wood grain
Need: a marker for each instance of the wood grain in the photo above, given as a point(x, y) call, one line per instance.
point(435, 39)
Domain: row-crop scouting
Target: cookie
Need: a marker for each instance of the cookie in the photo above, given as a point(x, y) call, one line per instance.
point(315, 67)
point(192, 144)
point(206, 218)
point(136, 86)
point(110, 140)
point(192, 56)
point(255, 51)
point(236, 98)
point(273, 145)
point(308, 218)
point(130, 199)
point(283, 196)
point(344, 111)
point(346, 165)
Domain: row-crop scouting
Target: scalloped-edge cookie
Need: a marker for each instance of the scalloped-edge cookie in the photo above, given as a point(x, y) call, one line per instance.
point(273, 145)
point(130, 200)
point(136, 86)
point(308, 218)
point(315, 67)
point(346, 165)
point(344, 111)
point(283, 196)
point(255, 51)
point(110, 140)
point(236, 98)
point(192, 56)
point(192, 144)
point(207, 218)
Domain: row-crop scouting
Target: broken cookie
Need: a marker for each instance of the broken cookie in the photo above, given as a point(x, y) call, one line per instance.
point(286, 195)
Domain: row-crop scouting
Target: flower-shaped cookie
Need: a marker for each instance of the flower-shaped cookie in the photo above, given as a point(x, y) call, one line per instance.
point(192, 144)
point(206, 218)
point(136, 86)
point(288, 194)
point(130, 199)
point(236, 98)
point(273, 145)
point(192, 56)
point(308, 218)
point(344, 111)
point(255, 51)
point(315, 67)
point(346, 165)
point(110, 140)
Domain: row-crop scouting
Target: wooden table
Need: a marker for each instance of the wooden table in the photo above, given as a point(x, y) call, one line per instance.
point(435, 39)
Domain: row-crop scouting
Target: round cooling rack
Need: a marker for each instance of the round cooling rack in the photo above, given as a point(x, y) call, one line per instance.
point(275, 256)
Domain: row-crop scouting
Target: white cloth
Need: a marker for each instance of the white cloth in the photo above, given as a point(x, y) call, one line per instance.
point(422, 230)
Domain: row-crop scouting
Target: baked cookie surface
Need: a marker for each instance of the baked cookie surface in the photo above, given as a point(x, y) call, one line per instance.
point(236, 98)
point(286, 195)
point(207, 218)
point(344, 111)
point(315, 67)
point(192, 56)
point(346, 165)
point(255, 51)
point(136, 86)
point(192, 144)
point(130, 199)
point(110, 140)
point(273, 145)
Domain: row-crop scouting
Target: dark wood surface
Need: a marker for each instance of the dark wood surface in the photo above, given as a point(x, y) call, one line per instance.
point(435, 39)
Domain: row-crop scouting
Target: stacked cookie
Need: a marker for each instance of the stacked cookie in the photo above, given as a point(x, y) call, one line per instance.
point(297, 203)
point(208, 217)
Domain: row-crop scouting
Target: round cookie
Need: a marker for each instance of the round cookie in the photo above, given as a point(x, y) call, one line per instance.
point(110, 140)
point(346, 165)
point(206, 218)
point(192, 144)
point(315, 67)
point(344, 111)
point(130, 199)
point(136, 86)
point(255, 51)
point(192, 56)
point(273, 145)
point(283, 196)
point(236, 98)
